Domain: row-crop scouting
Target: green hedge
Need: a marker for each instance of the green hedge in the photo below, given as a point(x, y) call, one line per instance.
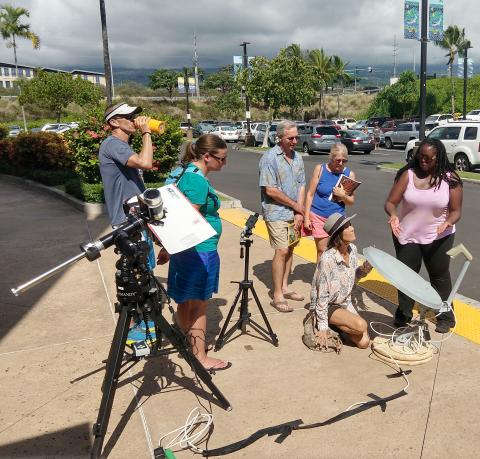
point(92, 192)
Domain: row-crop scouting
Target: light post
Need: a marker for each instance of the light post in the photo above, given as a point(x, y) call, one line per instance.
point(249, 139)
point(465, 79)
point(187, 88)
point(423, 69)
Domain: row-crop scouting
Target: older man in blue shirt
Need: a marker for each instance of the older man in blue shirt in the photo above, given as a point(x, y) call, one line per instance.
point(282, 182)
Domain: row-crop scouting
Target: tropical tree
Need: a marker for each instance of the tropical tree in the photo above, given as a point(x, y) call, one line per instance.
point(286, 80)
point(322, 68)
point(339, 75)
point(222, 80)
point(55, 91)
point(453, 41)
point(164, 79)
point(12, 28)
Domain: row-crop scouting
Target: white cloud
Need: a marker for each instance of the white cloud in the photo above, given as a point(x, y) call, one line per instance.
point(158, 33)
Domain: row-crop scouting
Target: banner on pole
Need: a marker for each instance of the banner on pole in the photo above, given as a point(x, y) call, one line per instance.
point(460, 67)
point(411, 19)
point(435, 20)
point(238, 64)
point(181, 85)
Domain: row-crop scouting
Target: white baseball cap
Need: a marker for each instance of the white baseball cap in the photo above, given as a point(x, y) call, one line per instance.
point(121, 109)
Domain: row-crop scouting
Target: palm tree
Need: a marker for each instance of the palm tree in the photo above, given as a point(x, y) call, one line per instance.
point(11, 29)
point(322, 65)
point(106, 54)
point(453, 41)
point(339, 75)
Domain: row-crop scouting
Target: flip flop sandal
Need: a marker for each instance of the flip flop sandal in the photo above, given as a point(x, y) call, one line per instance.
point(293, 296)
point(214, 369)
point(281, 306)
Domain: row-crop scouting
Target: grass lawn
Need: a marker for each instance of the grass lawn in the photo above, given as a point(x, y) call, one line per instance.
point(469, 175)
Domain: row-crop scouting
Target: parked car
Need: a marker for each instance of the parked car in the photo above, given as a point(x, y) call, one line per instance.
point(360, 124)
point(58, 128)
point(391, 125)
point(350, 122)
point(73, 125)
point(204, 128)
point(401, 135)
point(227, 133)
point(461, 140)
point(357, 141)
point(312, 137)
point(14, 131)
point(184, 127)
point(340, 124)
point(371, 122)
point(473, 115)
point(322, 122)
point(437, 120)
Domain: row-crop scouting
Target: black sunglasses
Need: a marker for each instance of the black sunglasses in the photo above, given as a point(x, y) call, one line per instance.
point(222, 160)
point(295, 137)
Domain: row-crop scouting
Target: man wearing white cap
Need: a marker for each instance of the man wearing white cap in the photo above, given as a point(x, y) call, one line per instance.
point(119, 164)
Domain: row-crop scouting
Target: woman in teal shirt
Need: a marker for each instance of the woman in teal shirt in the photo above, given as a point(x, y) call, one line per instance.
point(193, 274)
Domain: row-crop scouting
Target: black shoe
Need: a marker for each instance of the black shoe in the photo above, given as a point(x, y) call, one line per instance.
point(443, 326)
point(400, 320)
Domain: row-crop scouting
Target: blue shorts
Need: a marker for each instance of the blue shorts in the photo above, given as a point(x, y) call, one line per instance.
point(193, 275)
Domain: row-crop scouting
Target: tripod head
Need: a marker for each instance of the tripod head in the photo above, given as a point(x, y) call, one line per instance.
point(245, 235)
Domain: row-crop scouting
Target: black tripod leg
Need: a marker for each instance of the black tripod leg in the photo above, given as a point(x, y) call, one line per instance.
point(273, 336)
point(178, 341)
point(221, 336)
point(110, 381)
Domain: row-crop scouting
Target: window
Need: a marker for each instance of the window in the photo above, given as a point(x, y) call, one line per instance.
point(470, 133)
point(7, 84)
point(403, 127)
point(327, 131)
point(308, 129)
point(28, 73)
point(451, 133)
point(437, 133)
point(97, 79)
point(7, 71)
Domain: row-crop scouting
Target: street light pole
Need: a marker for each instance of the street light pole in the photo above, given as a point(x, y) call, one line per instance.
point(465, 79)
point(187, 88)
point(249, 139)
point(423, 69)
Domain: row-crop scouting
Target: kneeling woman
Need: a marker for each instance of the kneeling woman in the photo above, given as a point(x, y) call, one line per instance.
point(333, 282)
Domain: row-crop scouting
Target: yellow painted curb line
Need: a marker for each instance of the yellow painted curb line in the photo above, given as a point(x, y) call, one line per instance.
point(468, 317)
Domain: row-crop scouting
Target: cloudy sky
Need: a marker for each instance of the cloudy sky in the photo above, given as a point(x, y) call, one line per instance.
point(159, 33)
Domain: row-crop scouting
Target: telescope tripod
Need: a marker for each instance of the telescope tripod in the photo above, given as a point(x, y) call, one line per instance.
point(138, 290)
point(244, 287)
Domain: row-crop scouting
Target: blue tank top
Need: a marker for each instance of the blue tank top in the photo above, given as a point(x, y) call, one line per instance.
point(321, 205)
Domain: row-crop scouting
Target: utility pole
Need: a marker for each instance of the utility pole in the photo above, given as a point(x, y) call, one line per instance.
point(465, 79)
point(423, 69)
point(187, 88)
point(195, 64)
point(249, 139)
point(355, 80)
point(395, 50)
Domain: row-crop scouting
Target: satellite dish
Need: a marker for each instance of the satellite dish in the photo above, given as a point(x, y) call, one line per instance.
point(403, 278)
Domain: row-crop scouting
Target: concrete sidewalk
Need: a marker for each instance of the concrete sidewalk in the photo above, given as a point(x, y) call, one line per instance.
point(55, 337)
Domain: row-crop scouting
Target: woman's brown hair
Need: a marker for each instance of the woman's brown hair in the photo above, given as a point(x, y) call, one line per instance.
point(206, 143)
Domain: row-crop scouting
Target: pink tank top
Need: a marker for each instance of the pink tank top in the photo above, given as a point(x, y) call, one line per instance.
point(422, 211)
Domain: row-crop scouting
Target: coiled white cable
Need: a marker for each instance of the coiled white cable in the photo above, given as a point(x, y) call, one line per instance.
point(186, 436)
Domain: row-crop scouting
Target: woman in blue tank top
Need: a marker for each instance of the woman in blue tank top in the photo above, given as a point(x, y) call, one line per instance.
point(318, 206)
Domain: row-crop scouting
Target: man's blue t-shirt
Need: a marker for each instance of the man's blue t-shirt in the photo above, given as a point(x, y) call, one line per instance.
point(120, 182)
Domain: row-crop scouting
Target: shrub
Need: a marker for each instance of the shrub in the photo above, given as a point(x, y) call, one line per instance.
point(3, 131)
point(87, 192)
point(40, 150)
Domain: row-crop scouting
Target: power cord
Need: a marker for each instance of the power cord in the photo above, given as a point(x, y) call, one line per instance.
point(190, 433)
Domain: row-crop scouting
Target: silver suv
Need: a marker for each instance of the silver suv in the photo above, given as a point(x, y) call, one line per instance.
point(461, 140)
point(401, 134)
point(317, 138)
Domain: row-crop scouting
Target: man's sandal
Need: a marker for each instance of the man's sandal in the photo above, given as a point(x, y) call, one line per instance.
point(281, 306)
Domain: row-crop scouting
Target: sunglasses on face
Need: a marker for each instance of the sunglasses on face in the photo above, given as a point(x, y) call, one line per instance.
point(341, 161)
point(425, 158)
point(295, 137)
point(219, 159)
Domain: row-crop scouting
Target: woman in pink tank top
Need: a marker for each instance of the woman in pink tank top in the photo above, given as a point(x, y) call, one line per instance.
point(424, 204)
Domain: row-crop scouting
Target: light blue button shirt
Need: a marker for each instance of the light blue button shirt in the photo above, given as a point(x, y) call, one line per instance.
point(288, 177)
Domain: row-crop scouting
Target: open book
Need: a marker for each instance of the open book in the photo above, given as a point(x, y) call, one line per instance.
point(349, 185)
